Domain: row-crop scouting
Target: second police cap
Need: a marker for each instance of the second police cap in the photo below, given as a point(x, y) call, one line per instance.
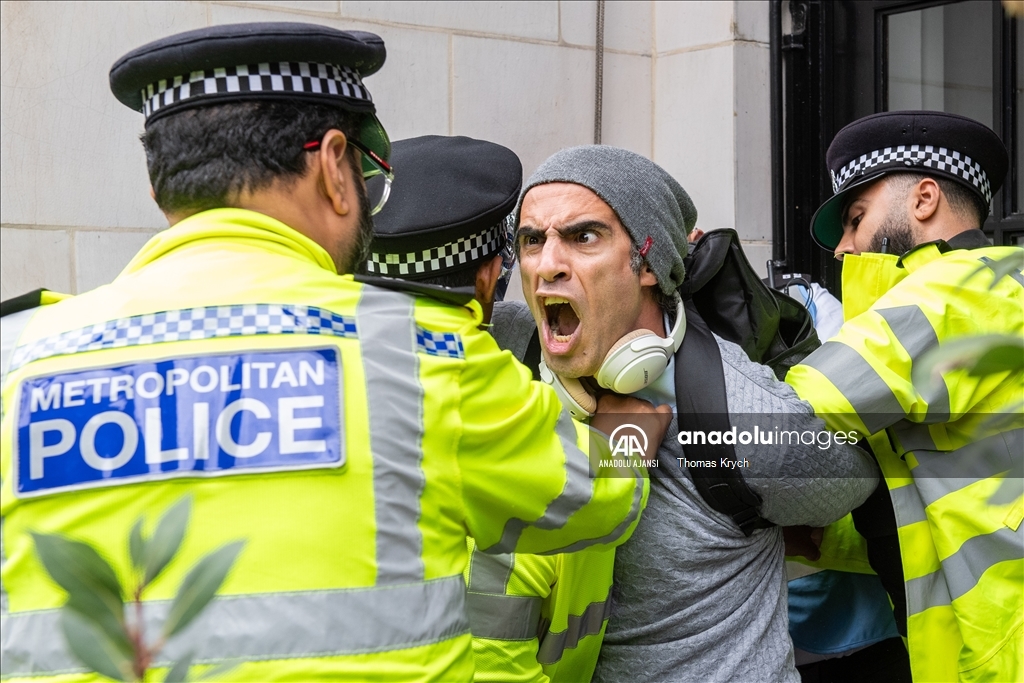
point(929, 142)
point(256, 61)
point(450, 203)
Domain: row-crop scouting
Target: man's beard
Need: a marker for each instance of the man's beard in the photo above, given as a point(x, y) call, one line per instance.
point(359, 252)
point(895, 227)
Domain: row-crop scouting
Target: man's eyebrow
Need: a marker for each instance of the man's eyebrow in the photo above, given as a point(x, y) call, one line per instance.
point(527, 231)
point(570, 230)
point(574, 229)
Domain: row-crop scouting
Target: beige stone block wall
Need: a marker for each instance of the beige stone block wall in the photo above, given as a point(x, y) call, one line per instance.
point(712, 113)
point(682, 85)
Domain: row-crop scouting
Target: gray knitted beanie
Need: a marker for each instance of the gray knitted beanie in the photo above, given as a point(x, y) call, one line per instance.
point(649, 202)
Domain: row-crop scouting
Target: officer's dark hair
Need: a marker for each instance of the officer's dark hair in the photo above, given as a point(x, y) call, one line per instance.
point(966, 205)
point(460, 278)
point(202, 158)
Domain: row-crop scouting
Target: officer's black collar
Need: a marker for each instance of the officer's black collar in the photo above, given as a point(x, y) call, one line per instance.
point(457, 296)
point(968, 239)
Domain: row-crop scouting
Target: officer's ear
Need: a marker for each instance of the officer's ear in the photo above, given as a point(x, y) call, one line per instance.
point(487, 274)
point(924, 199)
point(335, 170)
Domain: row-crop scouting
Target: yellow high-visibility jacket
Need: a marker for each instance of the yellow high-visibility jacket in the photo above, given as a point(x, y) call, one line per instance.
point(955, 482)
point(351, 435)
point(538, 618)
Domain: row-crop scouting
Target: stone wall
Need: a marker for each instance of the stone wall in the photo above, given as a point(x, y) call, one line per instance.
point(685, 83)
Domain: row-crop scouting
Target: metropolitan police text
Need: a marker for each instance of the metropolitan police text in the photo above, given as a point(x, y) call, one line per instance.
point(194, 416)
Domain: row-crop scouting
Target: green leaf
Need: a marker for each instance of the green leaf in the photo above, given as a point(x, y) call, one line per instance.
point(92, 587)
point(93, 648)
point(199, 586)
point(70, 562)
point(179, 672)
point(999, 356)
point(1000, 268)
point(983, 354)
point(137, 546)
point(1006, 265)
point(167, 538)
point(1005, 420)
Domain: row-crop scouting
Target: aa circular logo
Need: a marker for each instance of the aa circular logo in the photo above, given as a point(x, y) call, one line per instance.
point(628, 441)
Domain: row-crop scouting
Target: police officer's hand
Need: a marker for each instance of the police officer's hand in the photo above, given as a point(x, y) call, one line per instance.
point(803, 541)
point(614, 410)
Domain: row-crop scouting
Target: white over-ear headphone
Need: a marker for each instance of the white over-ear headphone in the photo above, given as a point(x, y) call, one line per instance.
point(631, 364)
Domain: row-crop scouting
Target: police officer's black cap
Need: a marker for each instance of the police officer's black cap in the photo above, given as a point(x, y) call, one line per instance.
point(256, 61)
point(928, 142)
point(450, 203)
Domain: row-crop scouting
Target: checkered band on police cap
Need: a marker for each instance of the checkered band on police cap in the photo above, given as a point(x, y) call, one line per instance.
point(907, 157)
point(441, 259)
point(276, 77)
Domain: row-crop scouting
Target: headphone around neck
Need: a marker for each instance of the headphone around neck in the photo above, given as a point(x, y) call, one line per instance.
point(633, 362)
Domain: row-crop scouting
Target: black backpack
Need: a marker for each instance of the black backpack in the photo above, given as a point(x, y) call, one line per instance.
point(772, 328)
point(724, 295)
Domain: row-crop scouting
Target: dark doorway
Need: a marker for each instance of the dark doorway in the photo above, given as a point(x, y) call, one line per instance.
point(834, 62)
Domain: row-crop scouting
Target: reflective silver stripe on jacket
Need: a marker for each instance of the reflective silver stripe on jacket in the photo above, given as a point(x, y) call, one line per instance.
point(927, 591)
point(634, 512)
point(907, 505)
point(503, 617)
point(1017, 275)
point(387, 342)
point(913, 436)
point(589, 623)
point(915, 334)
point(870, 396)
point(267, 626)
point(939, 473)
point(962, 570)
point(490, 573)
point(577, 492)
point(494, 614)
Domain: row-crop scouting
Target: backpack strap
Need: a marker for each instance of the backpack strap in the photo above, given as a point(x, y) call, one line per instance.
point(702, 406)
point(531, 358)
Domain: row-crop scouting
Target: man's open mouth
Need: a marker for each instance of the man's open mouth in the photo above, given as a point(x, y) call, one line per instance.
point(561, 318)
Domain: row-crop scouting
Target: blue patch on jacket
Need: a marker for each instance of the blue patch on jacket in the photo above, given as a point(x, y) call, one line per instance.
point(189, 416)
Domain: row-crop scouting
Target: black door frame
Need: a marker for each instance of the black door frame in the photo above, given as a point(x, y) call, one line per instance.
point(828, 68)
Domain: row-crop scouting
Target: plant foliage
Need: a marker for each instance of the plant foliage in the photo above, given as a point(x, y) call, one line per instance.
point(93, 618)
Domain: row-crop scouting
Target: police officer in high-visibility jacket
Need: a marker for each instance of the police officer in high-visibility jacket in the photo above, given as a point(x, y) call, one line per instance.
point(945, 536)
point(351, 433)
point(533, 617)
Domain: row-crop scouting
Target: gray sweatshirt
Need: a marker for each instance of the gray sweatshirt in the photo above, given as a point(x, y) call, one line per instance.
point(695, 599)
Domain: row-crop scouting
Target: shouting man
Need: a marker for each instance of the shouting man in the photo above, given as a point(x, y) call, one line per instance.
point(602, 236)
